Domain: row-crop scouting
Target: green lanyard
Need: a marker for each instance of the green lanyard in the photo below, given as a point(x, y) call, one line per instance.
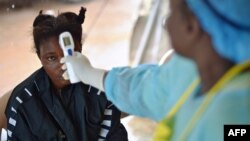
point(208, 98)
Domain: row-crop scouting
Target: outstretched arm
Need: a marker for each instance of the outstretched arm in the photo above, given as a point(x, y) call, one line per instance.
point(147, 90)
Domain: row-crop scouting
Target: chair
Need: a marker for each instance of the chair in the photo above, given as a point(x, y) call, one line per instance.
point(3, 102)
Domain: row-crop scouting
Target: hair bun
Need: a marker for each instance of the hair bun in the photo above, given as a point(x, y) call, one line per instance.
point(40, 12)
point(81, 15)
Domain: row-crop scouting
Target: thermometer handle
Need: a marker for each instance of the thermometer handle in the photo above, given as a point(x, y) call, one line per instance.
point(67, 44)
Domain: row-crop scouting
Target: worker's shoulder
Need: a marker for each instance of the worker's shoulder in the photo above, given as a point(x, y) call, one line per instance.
point(235, 93)
point(239, 85)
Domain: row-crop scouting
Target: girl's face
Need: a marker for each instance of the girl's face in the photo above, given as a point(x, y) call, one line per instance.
point(50, 55)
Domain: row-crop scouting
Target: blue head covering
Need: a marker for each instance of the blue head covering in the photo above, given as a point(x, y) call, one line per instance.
point(228, 24)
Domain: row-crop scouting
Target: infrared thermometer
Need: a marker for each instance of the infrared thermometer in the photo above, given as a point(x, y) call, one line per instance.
point(67, 44)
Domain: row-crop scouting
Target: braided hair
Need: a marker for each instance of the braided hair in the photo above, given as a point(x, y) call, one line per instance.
point(46, 26)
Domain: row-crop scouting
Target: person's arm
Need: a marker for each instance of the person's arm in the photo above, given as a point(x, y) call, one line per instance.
point(21, 131)
point(147, 91)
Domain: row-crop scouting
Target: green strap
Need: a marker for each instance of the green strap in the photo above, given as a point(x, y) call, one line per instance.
point(164, 133)
point(183, 98)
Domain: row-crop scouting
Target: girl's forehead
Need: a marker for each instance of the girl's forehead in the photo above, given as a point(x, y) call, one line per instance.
point(50, 43)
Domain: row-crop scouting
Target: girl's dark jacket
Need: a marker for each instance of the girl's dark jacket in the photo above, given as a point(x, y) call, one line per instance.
point(79, 113)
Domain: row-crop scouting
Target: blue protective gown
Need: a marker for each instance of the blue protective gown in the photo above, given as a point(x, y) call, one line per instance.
point(151, 91)
point(229, 106)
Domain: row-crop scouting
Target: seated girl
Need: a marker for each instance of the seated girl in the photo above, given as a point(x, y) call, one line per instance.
point(45, 107)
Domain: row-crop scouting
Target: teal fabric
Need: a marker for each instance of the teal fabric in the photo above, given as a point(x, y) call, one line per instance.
point(230, 106)
point(149, 90)
point(228, 24)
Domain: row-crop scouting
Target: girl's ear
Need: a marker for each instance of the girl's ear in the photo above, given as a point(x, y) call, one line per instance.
point(38, 55)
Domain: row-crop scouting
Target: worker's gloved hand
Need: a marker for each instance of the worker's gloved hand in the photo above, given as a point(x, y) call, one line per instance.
point(84, 70)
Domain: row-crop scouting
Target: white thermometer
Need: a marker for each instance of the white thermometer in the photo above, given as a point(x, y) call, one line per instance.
point(67, 44)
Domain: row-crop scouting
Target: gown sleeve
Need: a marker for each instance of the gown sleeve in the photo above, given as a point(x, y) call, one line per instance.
point(149, 90)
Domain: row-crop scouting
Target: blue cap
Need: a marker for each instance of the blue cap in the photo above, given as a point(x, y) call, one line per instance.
point(228, 24)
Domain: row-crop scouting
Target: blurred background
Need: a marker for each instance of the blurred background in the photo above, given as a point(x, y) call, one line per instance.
point(116, 33)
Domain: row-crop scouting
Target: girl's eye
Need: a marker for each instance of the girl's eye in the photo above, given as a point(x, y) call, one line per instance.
point(51, 58)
